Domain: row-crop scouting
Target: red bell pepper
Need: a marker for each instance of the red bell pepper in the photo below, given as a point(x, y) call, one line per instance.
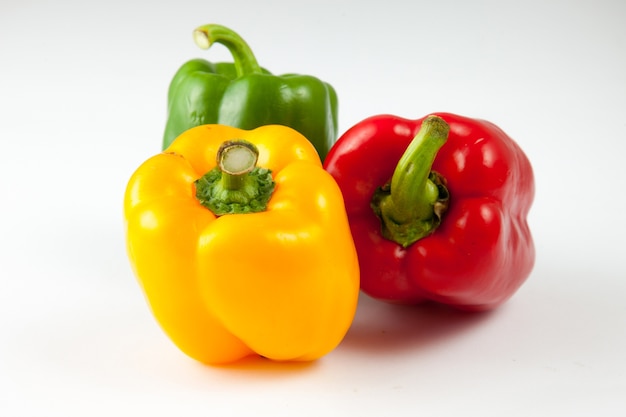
point(437, 208)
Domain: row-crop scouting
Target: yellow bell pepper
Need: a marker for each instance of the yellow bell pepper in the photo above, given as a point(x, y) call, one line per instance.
point(273, 273)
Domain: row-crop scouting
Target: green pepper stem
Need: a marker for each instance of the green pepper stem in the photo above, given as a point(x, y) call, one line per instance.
point(236, 185)
point(236, 159)
point(411, 205)
point(245, 61)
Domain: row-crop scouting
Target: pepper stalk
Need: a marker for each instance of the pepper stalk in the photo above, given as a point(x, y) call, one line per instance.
point(243, 57)
point(411, 205)
point(236, 185)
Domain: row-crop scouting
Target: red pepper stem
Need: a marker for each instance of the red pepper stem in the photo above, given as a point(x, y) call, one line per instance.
point(244, 59)
point(410, 206)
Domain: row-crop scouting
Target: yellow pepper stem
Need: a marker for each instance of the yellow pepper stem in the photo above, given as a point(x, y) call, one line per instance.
point(236, 185)
point(236, 159)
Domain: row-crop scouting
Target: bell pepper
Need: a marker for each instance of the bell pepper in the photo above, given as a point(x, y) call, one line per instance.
point(437, 208)
point(244, 95)
point(241, 243)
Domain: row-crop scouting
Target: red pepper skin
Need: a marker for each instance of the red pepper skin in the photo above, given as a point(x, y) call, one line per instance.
point(482, 251)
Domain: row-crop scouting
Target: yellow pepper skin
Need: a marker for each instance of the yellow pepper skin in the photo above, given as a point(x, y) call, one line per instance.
point(281, 283)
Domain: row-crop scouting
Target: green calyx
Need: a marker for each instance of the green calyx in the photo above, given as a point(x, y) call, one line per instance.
point(244, 60)
point(411, 205)
point(236, 185)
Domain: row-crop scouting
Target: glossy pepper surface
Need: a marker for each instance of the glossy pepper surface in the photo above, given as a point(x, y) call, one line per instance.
point(274, 273)
point(244, 95)
point(437, 208)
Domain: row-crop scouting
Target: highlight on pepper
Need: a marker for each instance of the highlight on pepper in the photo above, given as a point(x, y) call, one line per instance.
point(241, 244)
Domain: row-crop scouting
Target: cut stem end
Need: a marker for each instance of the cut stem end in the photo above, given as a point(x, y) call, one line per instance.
point(236, 185)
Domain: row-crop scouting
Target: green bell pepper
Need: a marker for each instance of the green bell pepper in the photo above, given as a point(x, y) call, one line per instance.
point(246, 96)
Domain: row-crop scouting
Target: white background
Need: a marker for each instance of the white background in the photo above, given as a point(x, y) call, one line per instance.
point(82, 103)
